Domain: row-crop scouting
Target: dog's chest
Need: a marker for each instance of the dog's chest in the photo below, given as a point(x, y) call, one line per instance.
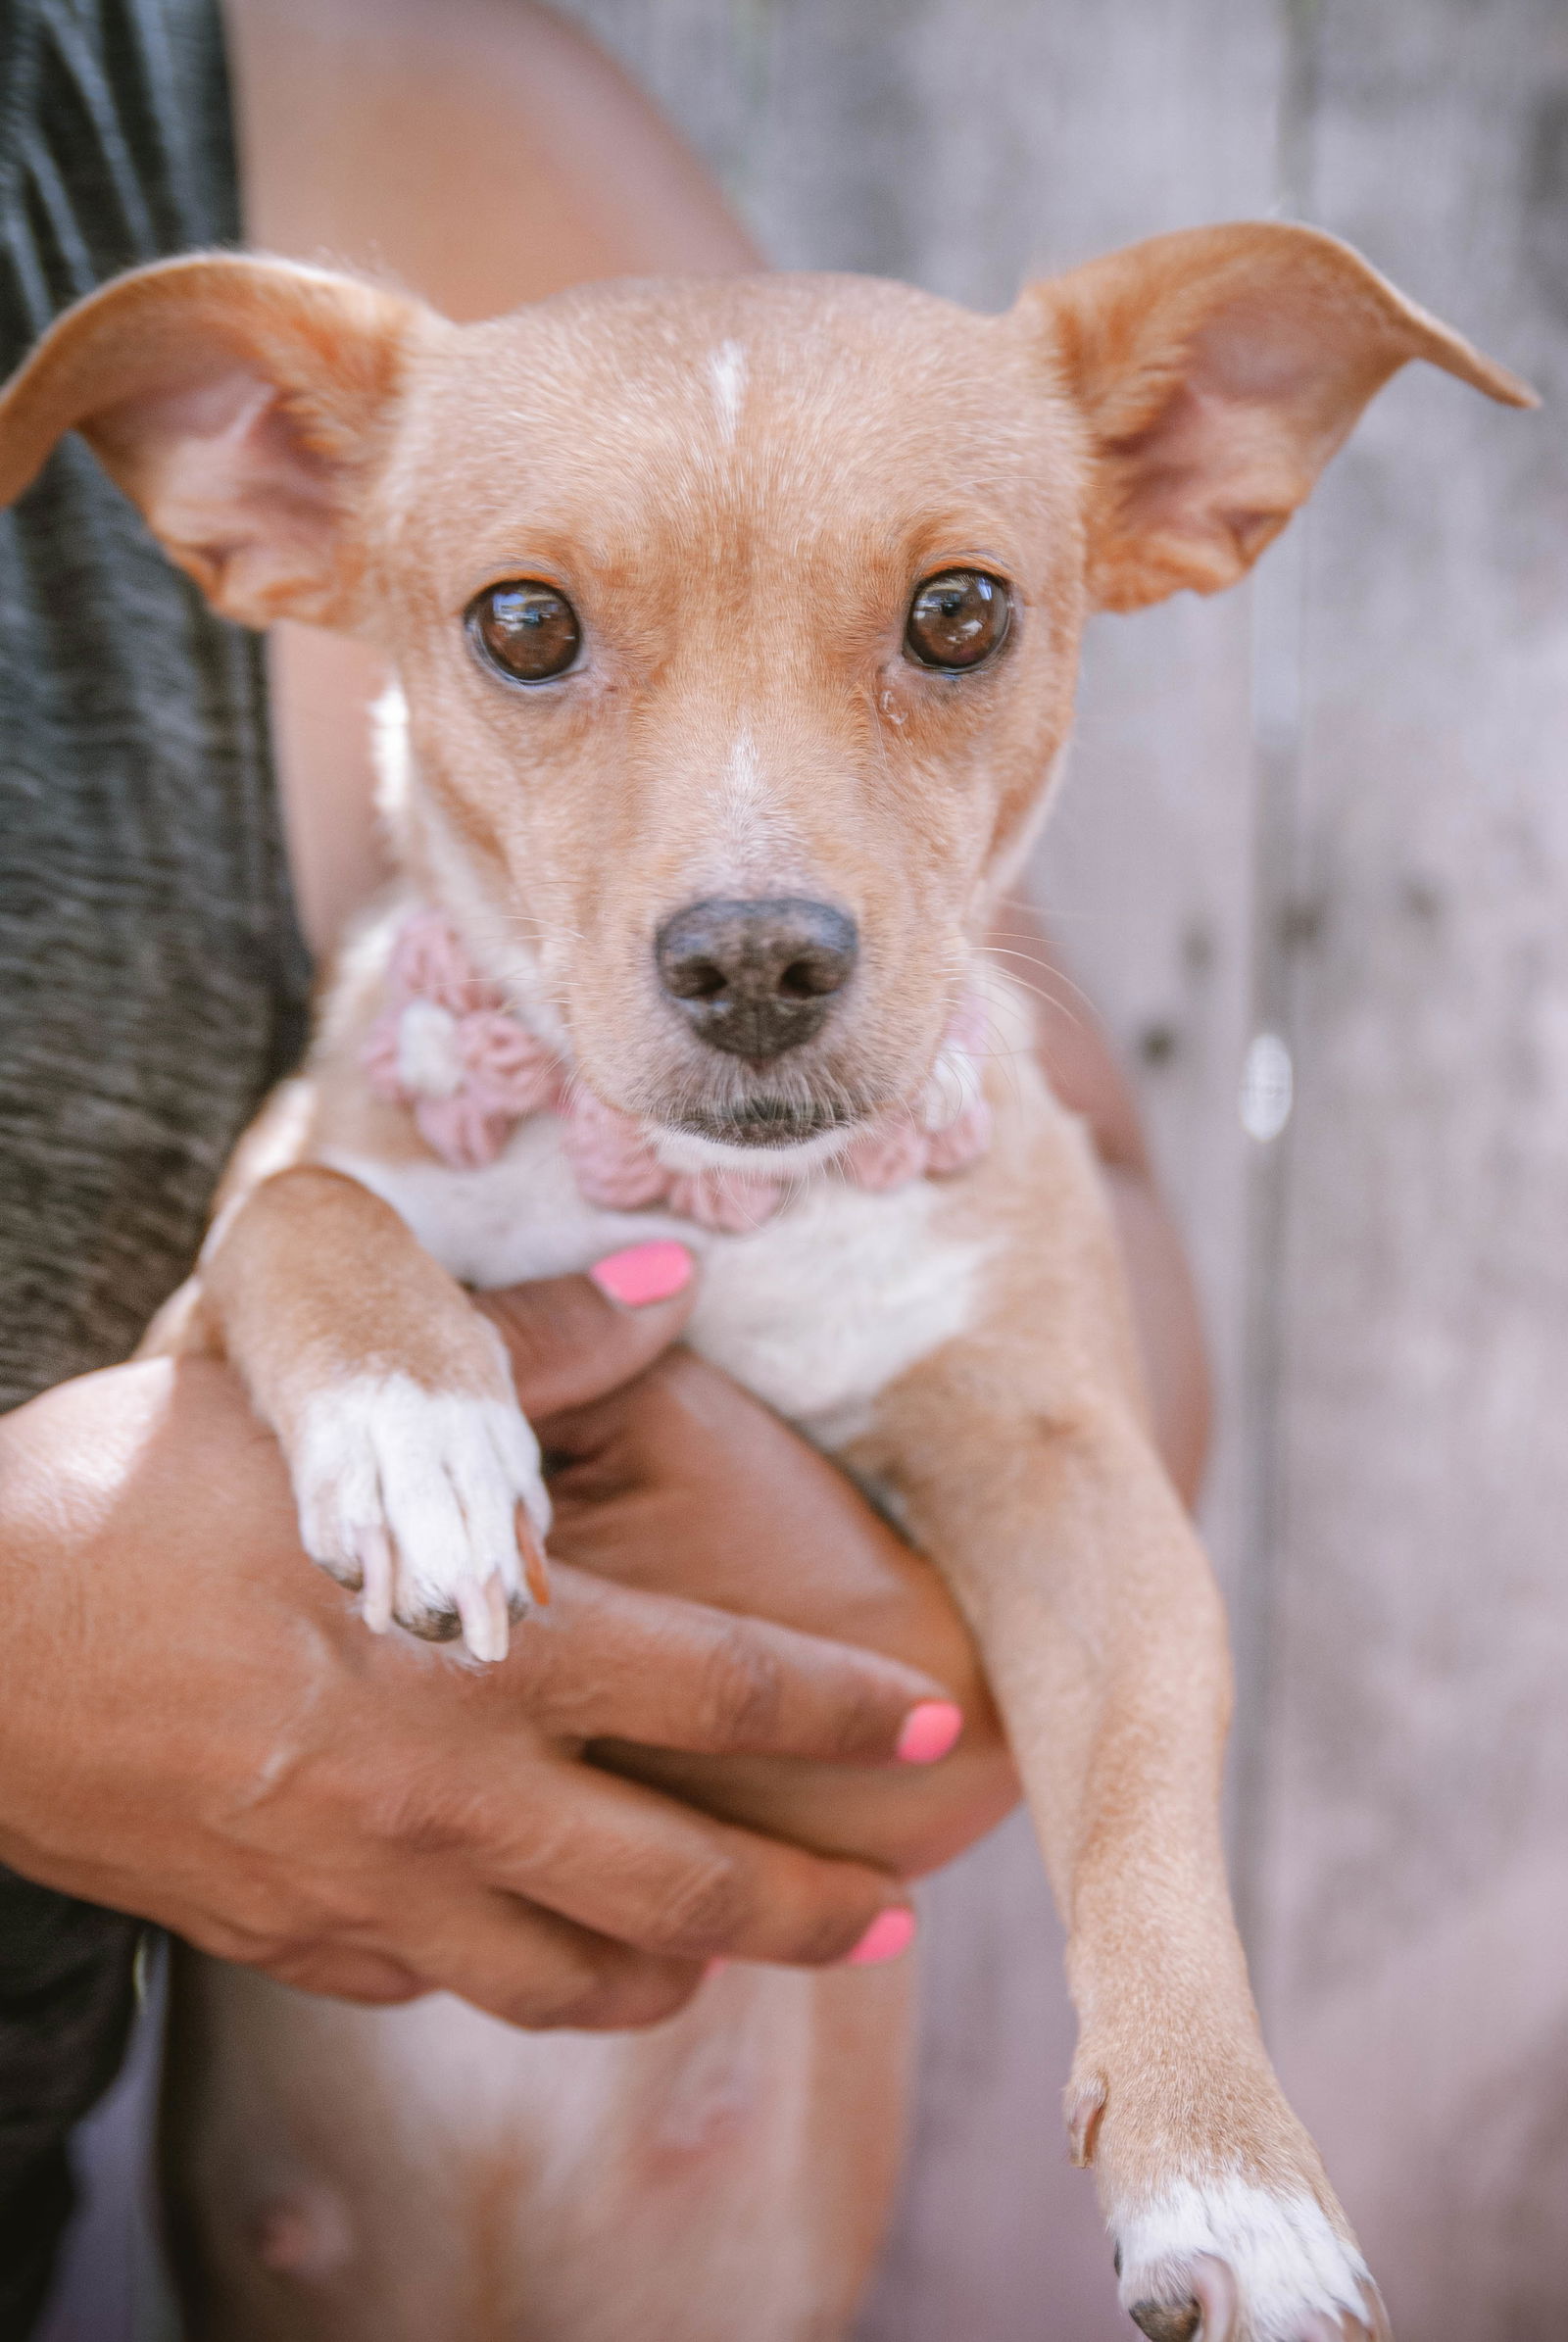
point(817, 1312)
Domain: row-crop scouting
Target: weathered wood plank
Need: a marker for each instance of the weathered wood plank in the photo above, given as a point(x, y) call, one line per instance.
point(1416, 1882)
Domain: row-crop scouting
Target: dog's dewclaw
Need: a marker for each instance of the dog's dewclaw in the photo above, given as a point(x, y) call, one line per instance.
point(535, 1567)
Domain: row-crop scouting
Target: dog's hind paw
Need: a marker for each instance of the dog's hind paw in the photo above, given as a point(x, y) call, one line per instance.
point(429, 1502)
point(1229, 2261)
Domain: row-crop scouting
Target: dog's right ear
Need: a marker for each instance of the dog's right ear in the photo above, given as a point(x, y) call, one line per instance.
point(241, 404)
point(1216, 371)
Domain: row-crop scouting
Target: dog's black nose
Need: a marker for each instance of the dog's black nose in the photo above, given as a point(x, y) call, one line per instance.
point(755, 978)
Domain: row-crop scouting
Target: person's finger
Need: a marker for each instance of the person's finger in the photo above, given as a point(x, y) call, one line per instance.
point(344, 1971)
point(573, 1339)
point(538, 1969)
point(501, 1954)
point(636, 1866)
point(611, 1662)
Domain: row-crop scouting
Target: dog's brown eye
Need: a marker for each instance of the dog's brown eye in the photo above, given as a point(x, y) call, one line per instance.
point(527, 631)
point(958, 620)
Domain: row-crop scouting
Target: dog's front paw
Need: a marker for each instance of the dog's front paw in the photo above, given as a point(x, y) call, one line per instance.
point(1230, 2259)
point(1226, 2228)
point(432, 1501)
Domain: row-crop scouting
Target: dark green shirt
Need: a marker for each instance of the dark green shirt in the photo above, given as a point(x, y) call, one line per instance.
point(152, 981)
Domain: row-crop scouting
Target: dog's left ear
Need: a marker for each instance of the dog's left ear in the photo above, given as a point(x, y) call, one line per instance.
point(245, 404)
point(1216, 371)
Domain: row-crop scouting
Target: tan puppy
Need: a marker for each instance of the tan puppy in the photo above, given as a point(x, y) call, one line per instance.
point(737, 626)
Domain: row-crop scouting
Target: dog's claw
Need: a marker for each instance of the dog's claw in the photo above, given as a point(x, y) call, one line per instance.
point(376, 1575)
point(1162, 2323)
point(483, 1608)
point(1377, 2316)
point(531, 1549)
point(1346, 2326)
point(1371, 2327)
point(1208, 2317)
point(1214, 2285)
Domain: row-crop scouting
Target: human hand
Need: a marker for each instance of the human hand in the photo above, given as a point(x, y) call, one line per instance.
point(681, 1482)
point(195, 1726)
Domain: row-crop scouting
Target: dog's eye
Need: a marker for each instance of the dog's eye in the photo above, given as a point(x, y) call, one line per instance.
point(527, 631)
point(958, 620)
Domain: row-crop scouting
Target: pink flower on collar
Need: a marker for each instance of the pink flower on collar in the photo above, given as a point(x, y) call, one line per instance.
point(448, 1049)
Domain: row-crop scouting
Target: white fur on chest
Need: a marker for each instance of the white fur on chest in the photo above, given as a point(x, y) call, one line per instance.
point(816, 1311)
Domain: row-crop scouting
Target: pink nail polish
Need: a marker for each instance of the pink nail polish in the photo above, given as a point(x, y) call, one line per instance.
point(891, 1932)
point(644, 1273)
point(929, 1732)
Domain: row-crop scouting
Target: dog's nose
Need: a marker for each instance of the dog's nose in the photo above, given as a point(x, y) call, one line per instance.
point(755, 978)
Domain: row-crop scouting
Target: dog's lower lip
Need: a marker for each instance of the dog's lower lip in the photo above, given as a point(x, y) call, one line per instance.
point(765, 1122)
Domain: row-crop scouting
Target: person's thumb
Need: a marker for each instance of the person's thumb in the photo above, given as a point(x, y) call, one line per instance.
point(575, 1339)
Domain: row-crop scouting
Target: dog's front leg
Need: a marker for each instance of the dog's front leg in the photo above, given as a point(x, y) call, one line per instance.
point(1104, 1635)
point(417, 1475)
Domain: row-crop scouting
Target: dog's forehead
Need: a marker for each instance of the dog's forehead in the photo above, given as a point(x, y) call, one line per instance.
point(811, 401)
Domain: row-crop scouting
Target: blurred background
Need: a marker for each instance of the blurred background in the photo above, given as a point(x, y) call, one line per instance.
point(1333, 808)
point(1311, 866)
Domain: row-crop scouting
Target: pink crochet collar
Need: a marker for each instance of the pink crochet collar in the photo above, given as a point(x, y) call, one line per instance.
point(449, 1050)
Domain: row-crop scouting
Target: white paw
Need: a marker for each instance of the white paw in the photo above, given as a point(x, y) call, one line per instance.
point(413, 1496)
point(1231, 2262)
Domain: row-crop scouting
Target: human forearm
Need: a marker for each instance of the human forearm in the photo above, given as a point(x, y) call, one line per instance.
point(195, 1726)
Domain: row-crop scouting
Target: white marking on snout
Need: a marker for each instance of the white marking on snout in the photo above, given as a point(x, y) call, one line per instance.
point(743, 774)
point(754, 846)
point(415, 1493)
point(1288, 2258)
point(726, 371)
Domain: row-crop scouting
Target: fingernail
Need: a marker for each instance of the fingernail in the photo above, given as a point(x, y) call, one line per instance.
point(929, 1732)
point(644, 1273)
point(891, 1932)
point(714, 1967)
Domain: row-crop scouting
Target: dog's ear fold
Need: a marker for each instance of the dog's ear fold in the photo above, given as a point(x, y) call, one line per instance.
point(1216, 371)
point(239, 402)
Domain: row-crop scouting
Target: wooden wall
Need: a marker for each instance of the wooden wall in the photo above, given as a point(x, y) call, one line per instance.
point(1332, 806)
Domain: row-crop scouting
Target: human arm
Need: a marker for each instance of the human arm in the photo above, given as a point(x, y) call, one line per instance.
point(196, 1728)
